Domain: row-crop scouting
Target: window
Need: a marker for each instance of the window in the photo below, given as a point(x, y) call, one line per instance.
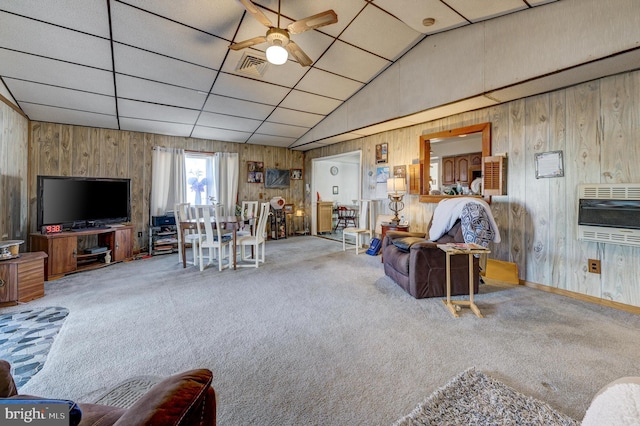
point(199, 170)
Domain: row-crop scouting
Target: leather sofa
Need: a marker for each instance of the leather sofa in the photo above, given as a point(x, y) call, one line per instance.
point(183, 399)
point(419, 266)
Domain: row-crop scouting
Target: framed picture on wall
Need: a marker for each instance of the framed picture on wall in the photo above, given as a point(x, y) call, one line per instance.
point(276, 178)
point(382, 151)
point(255, 172)
point(296, 174)
point(288, 208)
point(400, 171)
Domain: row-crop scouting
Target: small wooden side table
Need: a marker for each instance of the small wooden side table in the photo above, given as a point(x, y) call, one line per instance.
point(469, 250)
point(390, 226)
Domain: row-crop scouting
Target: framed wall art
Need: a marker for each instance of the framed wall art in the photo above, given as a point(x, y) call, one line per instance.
point(276, 178)
point(255, 172)
point(382, 151)
point(296, 174)
point(549, 164)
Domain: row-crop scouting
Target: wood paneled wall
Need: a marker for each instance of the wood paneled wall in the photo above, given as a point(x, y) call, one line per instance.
point(14, 140)
point(65, 150)
point(596, 125)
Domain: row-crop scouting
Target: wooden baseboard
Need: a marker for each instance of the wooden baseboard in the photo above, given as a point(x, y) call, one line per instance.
point(583, 297)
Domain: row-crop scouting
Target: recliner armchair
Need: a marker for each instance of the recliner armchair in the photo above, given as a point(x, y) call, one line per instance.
point(419, 266)
point(183, 399)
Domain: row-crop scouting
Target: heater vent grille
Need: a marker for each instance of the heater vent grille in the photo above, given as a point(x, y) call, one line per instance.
point(253, 65)
point(608, 233)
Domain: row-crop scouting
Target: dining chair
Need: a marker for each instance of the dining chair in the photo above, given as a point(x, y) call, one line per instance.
point(249, 214)
point(183, 212)
point(358, 232)
point(212, 238)
point(346, 216)
point(255, 241)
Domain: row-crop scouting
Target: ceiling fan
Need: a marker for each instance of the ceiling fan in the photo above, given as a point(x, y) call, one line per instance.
point(279, 39)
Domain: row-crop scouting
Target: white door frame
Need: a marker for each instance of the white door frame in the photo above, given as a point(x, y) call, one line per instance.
point(314, 179)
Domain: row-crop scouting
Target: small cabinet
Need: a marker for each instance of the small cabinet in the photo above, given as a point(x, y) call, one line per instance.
point(460, 168)
point(324, 216)
point(163, 239)
point(22, 278)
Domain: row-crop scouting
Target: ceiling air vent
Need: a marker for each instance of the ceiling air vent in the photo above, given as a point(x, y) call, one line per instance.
point(253, 65)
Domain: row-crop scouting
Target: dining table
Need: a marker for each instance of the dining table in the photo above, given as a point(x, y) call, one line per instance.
point(231, 224)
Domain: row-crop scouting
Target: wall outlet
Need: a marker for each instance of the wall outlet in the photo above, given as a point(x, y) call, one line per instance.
point(593, 266)
point(140, 234)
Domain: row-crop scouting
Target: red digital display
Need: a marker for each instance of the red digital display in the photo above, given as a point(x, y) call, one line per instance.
point(51, 229)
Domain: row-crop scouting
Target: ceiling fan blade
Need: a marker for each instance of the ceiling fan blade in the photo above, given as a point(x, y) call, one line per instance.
point(298, 54)
point(247, 43)
point(257, 13)
point(319, 20)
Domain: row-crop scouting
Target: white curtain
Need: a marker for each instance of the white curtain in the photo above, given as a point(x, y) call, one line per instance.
point(226, 169)
point(168, 179)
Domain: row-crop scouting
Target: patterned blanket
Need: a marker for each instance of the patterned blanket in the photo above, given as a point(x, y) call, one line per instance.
point(476, 225)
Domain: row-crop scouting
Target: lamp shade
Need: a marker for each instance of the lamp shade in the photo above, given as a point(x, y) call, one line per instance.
point(396, 185)
point(277, 55)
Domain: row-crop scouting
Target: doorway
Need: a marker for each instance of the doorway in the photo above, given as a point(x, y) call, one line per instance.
point(336, 179)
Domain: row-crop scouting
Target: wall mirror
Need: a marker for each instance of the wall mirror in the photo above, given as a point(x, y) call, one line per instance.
point(482, 131)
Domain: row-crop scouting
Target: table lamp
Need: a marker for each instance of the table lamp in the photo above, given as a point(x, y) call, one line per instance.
point(396, 187)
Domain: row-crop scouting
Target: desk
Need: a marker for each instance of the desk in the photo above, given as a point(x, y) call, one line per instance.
point(390, 226)
point(191, 225)
point(452, 250)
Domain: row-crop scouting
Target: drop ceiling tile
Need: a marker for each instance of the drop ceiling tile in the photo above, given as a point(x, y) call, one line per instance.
point(365, 33)
point(228, 122)
point(149, 91)
point(412, 12)
point(540, 2)
point(300, 9)
point(276, 129)
point(148, 65)
point(56, 73)
point(148, 111)
point(270, 140)
point(328, 84)
point(248, 89)
point(140, 29)
point(204, 15)
point(55, 42)
point(157, 127)
point(351, 62)
point(298, 118)
point(237, 107)
point(87, 16)
point(68, 116)
point(220, 134)
point(475, 11)
point(302, 101)
point(25, 91)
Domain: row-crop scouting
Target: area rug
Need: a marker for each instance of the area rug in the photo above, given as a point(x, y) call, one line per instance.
point(26, 337)
point(125, 394)
point(473, 398)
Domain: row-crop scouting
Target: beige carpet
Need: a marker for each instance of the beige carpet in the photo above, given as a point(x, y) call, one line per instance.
point(317, 336)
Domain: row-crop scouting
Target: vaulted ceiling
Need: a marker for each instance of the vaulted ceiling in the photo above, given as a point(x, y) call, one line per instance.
point(164, 66)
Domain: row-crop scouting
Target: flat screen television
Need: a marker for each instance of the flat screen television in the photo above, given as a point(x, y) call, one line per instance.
point(82, 202)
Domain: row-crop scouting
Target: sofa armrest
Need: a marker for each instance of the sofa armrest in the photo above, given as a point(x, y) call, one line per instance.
point(7, 384)
point(183, 399)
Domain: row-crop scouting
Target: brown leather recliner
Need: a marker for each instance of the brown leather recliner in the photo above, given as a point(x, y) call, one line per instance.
point(419, 266)
point(182, 399)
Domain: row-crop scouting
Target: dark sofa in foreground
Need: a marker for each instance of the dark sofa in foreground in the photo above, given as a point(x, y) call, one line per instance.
point(419, 266)
point(182, 399)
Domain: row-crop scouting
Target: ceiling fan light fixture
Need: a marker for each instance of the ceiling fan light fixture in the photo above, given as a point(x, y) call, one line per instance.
point(277, 55)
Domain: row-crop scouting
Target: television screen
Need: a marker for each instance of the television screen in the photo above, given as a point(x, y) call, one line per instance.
point(82, 202)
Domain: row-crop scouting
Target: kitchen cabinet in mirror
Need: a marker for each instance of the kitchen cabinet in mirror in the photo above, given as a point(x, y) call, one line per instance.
point(452, 165)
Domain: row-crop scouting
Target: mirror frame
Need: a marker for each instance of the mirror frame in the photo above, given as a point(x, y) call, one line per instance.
point(425, 156)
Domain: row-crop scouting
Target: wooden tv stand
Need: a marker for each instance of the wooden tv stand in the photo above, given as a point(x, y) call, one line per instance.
point(64, 257)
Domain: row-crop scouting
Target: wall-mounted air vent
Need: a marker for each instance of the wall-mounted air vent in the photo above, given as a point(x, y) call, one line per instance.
point(609, 213)
point(252, 64)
